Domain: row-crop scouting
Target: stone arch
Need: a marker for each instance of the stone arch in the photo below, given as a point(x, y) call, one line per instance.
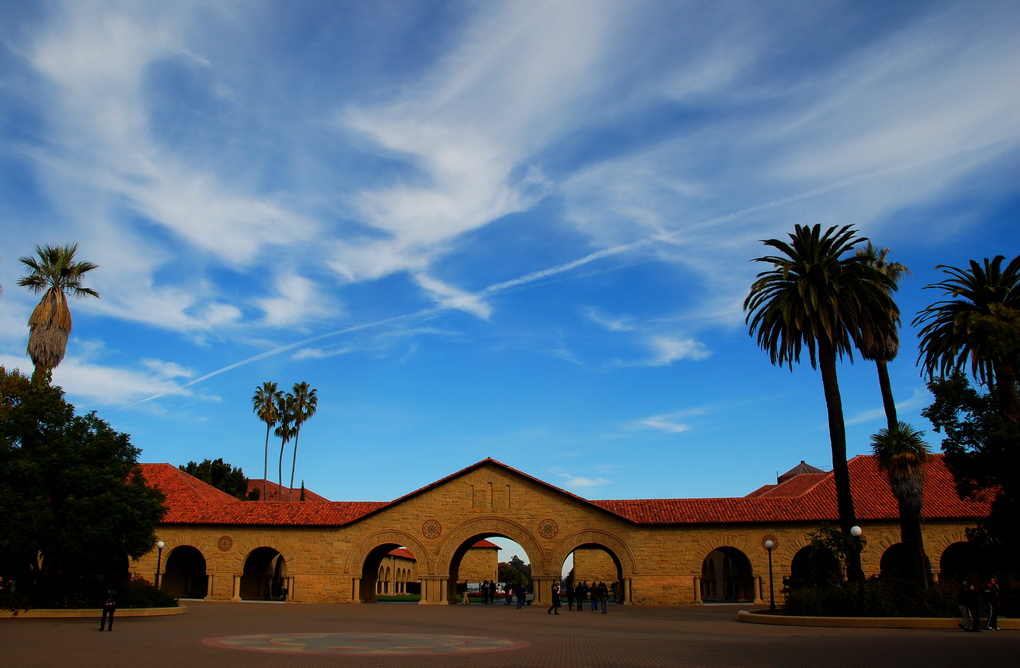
point(726, 575)
point(490, 526)
point(356, 557)
point(612, 543)
point(184, 575)
point(811, 566)
point(263, 577)
point(963, 561)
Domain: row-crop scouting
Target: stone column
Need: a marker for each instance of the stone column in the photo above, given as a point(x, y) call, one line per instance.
point(628, 591)
point(355, 590)
point(697, 590)
point(237, 588)
point(210, 580)
point(760, 597)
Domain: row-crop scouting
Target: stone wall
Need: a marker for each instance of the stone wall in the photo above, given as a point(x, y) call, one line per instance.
point(655, 564)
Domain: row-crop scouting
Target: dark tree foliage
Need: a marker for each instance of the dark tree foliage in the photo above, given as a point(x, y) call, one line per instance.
point(73, 502)
point(223, 477)
point(982, 448)
point(509, 574)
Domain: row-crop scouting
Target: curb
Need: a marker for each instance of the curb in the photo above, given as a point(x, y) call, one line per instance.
point(749, 617)
point(89, 613)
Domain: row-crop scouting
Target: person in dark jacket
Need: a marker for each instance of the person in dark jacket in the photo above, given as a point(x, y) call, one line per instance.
point(555, 607)
point(109, 607)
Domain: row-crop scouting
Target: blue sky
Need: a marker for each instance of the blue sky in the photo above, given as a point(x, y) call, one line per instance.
point(514, 230)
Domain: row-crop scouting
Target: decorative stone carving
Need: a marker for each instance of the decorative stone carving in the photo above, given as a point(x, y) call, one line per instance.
point(548, 528)
point(225, 543)
point(431, 529)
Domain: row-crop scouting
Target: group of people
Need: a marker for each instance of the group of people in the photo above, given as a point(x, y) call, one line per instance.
point(490, 592)
point(969, 599)
point(598, 594)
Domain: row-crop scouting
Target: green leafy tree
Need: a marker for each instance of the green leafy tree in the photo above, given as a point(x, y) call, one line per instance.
point(979, 327)
point(304, 402)
point(883, 349)
point(73, 501)
point(223, 477)
point(509, 574)
point(981, 449)
point(265, 404)
point(55, 273)
point(902, 453)
point(816, 296)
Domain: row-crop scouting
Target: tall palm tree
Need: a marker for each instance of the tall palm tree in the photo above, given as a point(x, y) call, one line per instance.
point(55, 271)
point(815, 298)
point(265, 404)
point(884, 350)
point(305, 403)
point(901, 453)
point(285, 412)
point(971, 327)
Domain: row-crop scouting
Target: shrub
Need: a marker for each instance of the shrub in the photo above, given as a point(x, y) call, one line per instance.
point(879, 598)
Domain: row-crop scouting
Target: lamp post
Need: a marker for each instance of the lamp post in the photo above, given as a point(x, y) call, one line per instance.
point(159, 559)
point(856, 532)
point(769, 544)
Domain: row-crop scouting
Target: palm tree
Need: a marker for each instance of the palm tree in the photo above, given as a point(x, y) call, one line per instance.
point(973, 326)
point(813, 297)
point(882, 351)
point(264, 404)
point(305, 403)
point(56, 272)
point(901, 453)
point(285, 415)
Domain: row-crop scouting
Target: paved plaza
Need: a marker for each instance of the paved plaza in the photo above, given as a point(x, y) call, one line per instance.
point(394, 634)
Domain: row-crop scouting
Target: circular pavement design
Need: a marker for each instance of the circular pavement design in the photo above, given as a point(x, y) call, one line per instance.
point(365, 643)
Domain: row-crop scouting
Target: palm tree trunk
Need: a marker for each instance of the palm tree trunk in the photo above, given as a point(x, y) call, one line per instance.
point(917, 568)
point(887, 397)
point(837, 441)
point(265, 464)
point(293, 465)
point(283, 444)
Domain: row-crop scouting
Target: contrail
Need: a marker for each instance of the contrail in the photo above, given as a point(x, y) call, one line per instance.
point(285, 348)
point(535, 276)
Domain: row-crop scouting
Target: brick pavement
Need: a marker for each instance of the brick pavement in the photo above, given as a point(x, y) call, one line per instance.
point(627, 636)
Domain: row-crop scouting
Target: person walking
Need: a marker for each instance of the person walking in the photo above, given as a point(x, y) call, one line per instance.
point(603, 595)
point(570, 596)
point(992, 600)
point(973, 609)
point(961, 602)
point(555, 607)
point(521, 593)
point(109, 607)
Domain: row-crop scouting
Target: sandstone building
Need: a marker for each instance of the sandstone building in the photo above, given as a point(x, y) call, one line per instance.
point(658, 551)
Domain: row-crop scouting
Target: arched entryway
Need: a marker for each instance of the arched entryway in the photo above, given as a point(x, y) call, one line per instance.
point(726, 576)
point(964, 561)
point(595, 564)
point(813, 566)
point(473, 562)
point(185, 575)
point(264, 577)
point(388, 570)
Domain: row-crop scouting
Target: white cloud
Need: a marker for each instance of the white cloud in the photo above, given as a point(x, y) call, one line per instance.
point(572, 481)
point(670, 349)
point(297, 300)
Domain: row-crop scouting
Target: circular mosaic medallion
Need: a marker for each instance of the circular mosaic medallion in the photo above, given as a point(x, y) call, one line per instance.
point(431, 529)
point(365, 643)
point(225, 543)
point(548, 528)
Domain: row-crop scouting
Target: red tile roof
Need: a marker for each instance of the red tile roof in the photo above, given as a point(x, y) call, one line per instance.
point(807, 497)
point(273, 491)
point(802, 497)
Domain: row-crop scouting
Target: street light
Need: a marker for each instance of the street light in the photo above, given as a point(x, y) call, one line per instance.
point(159, 559)
point(769, 544)
point(856, 532)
